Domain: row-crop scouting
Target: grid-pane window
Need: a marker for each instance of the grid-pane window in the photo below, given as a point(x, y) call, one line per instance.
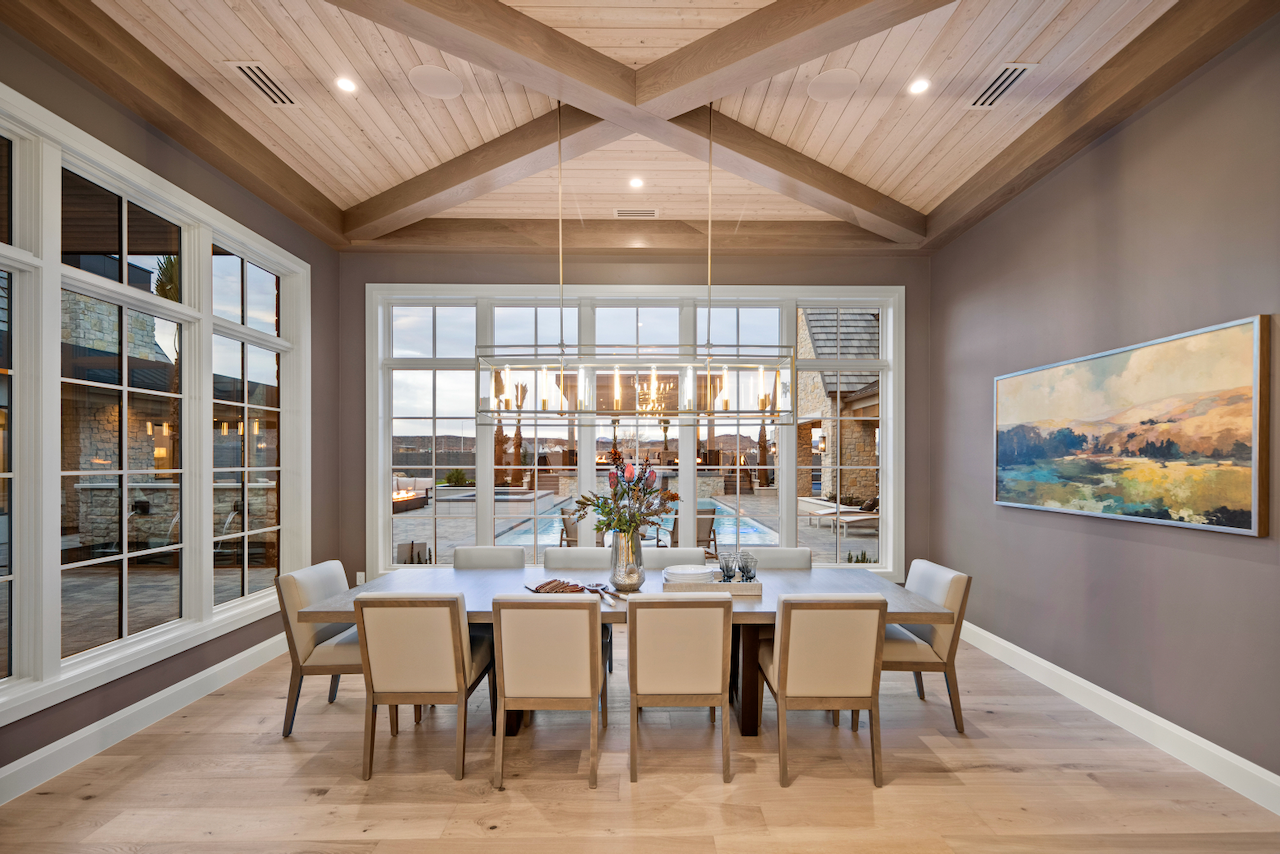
point(433, 441)
point(737, 457)
point(121, 484)
point(95, 238)
point(535, 465)
point(246, 468)
point(6, 481)
point(245, 293)
point(838, 434)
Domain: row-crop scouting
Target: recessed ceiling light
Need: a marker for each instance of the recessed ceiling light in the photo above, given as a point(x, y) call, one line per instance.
point(345, 85)
point(435, 82)
point(838, 84)
point(636, 182)
point(917, 87)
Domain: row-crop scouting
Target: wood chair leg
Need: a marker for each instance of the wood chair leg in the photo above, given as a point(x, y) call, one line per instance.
point(713, 713)
point(607, 636)
point(460, 763)
point(499, 737)
point(291, 704)
point(876, 771)
point(604, 703)
point(782, 742)
point(370, 721)
point(595, 747)
point(759, 699)
point(856, 714)
point(493, 702)
point(635, 741)
point(417, 714)
point(919, 684)
point(394, 712)
point(724, 738)
point(835, 718)
point(333, 687)
point(953, 691)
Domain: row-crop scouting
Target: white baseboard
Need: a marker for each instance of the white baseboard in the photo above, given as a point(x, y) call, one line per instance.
point(48, 762)
point(1235, 772)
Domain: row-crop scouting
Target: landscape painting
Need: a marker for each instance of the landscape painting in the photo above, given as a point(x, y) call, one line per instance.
point(1170, 432)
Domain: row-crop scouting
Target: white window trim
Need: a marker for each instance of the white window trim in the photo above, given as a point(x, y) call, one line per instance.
point(379, 297)
point(45, 143)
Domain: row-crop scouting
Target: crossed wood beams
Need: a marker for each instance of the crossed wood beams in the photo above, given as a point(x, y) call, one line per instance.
point(659, 101)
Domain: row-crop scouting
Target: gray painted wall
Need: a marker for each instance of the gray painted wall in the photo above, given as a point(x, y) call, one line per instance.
point(357, 269)
point(52, 85)
point(1170, 223)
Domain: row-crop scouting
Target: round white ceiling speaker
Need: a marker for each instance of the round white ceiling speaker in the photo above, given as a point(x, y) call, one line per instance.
point(435, 82)
point(838, 84)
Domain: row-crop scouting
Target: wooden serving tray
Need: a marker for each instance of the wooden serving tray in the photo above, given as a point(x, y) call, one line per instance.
point(734, 588)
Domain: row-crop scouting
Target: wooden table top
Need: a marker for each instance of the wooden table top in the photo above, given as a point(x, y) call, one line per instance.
point(481, 585)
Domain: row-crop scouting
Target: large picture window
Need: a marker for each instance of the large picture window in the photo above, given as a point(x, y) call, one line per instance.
point(745, 483)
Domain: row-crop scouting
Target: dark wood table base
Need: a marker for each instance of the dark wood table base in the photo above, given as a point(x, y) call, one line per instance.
point(746, 657)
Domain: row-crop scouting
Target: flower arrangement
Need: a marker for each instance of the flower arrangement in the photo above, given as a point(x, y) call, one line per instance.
point(633, 501)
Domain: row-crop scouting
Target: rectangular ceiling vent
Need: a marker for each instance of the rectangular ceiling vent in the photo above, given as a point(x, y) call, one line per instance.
point(257, 77)
point(635, 213)
point(1006, 78)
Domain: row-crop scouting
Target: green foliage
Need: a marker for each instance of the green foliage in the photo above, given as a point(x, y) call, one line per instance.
point(631, 503)
point(168, 276)
point(862, 558)
point(457, 477)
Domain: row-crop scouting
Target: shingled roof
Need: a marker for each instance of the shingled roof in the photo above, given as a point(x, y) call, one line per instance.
point(845, 334)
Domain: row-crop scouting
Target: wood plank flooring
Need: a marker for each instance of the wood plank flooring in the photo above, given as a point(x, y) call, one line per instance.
point(1034, 772)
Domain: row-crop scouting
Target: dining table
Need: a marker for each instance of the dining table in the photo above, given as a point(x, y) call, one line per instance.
point(750, 613)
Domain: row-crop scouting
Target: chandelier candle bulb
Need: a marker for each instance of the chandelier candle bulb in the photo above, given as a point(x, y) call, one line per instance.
point(617, 388)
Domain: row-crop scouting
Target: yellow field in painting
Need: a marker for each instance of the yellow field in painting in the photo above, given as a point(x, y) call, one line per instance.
point(1134, 487)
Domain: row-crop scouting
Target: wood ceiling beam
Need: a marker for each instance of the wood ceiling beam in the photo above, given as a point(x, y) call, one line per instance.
point(89, 41)
point(778, 37)
point(525, 151)
point(538, 236)
point(1183, 39)
point(498, 37)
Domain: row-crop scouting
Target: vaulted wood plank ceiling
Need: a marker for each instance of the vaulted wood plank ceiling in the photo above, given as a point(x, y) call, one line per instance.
point(875, 169)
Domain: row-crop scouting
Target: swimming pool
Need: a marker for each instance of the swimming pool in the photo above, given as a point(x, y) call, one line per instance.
point(730, 531)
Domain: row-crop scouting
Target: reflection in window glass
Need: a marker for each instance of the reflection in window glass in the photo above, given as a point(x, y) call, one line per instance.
point(153, 353)
point(263, 438)
point(228, 285)
point(90, 428)
point(91, 614)
point(263, 369)
point(261, 299)
point(228, 369)
point(90, 517)
point(456, 332)
point(154, 508)
point(155, 590)
point(91, 235)
point(155, 430)
point(155, 254)
point(90, 339)
point(263, 561)
point(228, 436)
point(411, 331)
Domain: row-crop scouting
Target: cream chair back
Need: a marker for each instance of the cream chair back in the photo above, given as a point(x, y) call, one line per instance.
point(777, 558)
point(680, 642)
point(488, 557)
point(658, 559)
point(304, 587)
point(548, 645)
point(830, 644)
point(945, 587)
point(557, 558)
point(414, 643)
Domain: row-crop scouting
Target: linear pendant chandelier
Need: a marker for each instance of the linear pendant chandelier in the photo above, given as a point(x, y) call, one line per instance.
point(560, 382)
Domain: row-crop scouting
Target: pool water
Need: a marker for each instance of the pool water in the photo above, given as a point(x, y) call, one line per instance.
point(750, 532)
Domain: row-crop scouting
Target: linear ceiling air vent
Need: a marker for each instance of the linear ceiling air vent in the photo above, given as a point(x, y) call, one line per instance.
point(1006, 78)
point(635, 213)
point(260, 80)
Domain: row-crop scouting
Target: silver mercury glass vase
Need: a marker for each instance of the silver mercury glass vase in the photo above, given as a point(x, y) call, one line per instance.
point(626, 573)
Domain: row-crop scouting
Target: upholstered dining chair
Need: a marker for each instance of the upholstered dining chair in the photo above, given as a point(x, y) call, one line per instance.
point(678, 655)
point(780, 558)
point(488, 557)
point(315, 649)
point(416, 650)
point(548, 657)
point(826, 655)
point(562, 559)
point(705, 533)
point(657, 559)
point(931, 648)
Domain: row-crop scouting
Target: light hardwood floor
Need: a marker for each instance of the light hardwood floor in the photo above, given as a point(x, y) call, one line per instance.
point(1033, 773)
